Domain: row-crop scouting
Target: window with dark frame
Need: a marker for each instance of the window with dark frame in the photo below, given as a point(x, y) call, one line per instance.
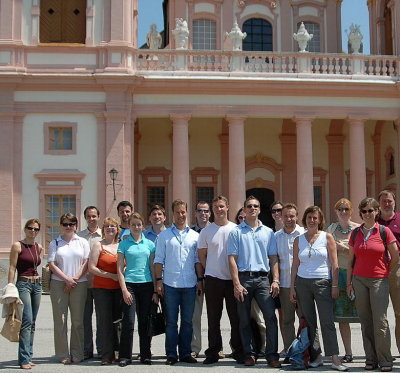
point(155, 196)
point(259, 35)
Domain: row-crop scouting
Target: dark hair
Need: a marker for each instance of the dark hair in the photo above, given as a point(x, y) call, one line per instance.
point(275, 203)
point(386, 192)
point(220, 198)
point(238, 214)
point(202, 203)
point(368, 201)
point(157, 207)
point(124, 204)
point(312, 209)
point(250, 198)
point(290, 206)
point(32, 221)
point(68, 216)
point(91, 208)
point(178, 202)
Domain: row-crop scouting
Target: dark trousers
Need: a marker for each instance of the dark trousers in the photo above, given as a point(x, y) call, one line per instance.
point(87, 326)
point(108, 304)
point(216, 291)
point(258, 288)
point(142, 294)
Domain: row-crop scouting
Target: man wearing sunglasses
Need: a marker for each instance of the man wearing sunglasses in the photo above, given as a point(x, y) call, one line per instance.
point(390, 218)
point(252, 254)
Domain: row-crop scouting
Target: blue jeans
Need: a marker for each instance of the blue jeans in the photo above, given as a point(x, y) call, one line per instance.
point(30, 294)
point(179, 299)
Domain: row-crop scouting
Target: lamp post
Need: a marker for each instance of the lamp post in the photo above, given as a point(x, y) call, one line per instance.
point(113, 176)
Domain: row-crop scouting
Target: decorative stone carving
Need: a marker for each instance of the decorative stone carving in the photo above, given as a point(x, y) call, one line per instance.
point(355, 38)
point(236, 35)
point(154, 39)
point(270, 3)
point(302, 37)
point(181, 33)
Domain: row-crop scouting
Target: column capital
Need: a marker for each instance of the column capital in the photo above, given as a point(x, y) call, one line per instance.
point(185, 117)
point(235, 118)
point(301, 119)
point(356, 119)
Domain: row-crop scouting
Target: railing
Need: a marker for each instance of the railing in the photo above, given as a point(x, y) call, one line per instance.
point(127, 60)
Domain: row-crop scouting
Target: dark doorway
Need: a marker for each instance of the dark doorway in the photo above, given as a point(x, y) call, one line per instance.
point(266, 197)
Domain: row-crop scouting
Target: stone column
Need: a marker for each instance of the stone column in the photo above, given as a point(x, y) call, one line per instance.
point(237, 169)
point(305, 178)
point(358, 176)
point(180, 158)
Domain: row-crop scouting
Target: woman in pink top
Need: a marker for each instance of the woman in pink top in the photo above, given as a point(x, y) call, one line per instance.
point(368, 270)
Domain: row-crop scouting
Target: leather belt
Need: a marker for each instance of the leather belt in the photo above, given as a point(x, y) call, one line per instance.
point(29, 279)
point(254, 274)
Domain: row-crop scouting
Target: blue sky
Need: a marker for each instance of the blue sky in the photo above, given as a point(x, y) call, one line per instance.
point(353, 11)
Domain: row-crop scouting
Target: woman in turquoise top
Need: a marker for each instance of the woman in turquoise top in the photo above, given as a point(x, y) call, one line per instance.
point(135, 274)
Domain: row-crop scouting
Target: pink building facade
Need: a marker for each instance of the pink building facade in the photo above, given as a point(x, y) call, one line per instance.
point(192, 120)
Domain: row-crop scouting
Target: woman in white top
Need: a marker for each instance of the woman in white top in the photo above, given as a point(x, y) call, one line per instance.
point(314, 279)
point(68, 260)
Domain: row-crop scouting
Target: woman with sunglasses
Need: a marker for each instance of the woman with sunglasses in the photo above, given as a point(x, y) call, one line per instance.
point(276, 212)
point(314, 282)
point(370, 262)
point(345, 309)
point(68, 260)
point(106, 289)
point(25, 257)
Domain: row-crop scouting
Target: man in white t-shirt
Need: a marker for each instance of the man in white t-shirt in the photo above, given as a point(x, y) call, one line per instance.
point(212, 254)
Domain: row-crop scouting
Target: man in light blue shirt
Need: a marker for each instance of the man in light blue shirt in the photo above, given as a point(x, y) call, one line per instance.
point(157, 219)
point(252, 254)
point(178, 274)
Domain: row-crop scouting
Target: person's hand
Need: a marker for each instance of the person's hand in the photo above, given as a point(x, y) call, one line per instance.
point(200, 287)
point(114, 277)
point(340, 246)
point(335, 292)
point(160, 288)
point(350, 291)
point(155, 298)
point(274, 289)
point(239, 292)
point(128, 297)
point(293, 295)
point(70, 282)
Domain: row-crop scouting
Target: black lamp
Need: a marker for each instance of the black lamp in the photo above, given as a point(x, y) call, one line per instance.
point(113, 175)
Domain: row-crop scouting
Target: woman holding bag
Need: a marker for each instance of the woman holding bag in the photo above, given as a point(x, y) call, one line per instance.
point(25, 257)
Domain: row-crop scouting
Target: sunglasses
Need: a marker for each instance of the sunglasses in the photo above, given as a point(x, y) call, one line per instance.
point(68, 224)
point(343, 209)
point(370, 211)
point(274, 211)
point(202, 211)
point(33, 229)
point(252, 206)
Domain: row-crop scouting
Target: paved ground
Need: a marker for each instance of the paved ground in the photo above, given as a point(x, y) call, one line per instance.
point(44, 349)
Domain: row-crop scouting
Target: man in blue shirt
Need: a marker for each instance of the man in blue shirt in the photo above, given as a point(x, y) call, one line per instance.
point(252, 254)
point(178, 274)
point(157, 219)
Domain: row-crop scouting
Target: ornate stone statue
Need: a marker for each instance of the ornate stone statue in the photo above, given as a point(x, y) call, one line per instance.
point(181, 33)
point(236, 35)
point(355, 38)
point(154, 39)
point(302, 37)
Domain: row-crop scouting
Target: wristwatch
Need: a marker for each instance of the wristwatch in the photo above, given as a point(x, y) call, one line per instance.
point(277, 281)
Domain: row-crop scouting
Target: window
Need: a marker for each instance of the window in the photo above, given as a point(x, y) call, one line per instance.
point(205, 194)
point(204, 34)
point(155, 196)
point(314, 45)
point(63, 21)
point(60, 138)
point(259, 35)
point(318, 196)
point(390, 165)
point(204, 185)
point(57, 205)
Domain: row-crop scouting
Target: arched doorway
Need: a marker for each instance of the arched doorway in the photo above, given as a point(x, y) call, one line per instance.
point(266, 197)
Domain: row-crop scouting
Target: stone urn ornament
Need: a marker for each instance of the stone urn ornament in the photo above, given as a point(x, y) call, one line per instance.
point(181, 33)
point(302, 37)
point(236, 35)
point(355, 38)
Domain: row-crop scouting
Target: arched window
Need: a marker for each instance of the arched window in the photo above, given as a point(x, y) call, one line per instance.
point(204, 34)
point(259, 35)
point(63, 21)
point(314, 45)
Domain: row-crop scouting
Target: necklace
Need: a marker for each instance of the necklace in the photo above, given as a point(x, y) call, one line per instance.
point(312, 243)
point(345, 232)
point(35, 260)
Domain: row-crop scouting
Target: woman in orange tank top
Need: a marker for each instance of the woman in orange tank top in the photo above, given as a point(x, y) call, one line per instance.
point(106, 289)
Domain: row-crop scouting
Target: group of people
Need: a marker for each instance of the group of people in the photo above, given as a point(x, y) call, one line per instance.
point(345, 273)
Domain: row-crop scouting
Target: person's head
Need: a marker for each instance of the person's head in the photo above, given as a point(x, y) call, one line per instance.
point(92, 216)
point(157, 215)
point(110, 228)
point(124, 210)
point(68, 223)
point(368, 209)
point(32, 228)
point(387, 203)
point(203, 213)
point(276, 210)
point(343, 209)
point(220, 207)
point(179, 212)
point(136, 224)
point(313, 216)
point(240, 216)
point(251, 207)
point(289, 216)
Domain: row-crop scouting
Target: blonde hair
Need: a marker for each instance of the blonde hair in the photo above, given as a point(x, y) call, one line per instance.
point(109, 220)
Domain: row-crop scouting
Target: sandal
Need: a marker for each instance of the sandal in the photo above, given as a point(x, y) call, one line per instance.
point(348, 358)
point(370, 366)
point(25, 366)
point(66, 361)
point(386, 369)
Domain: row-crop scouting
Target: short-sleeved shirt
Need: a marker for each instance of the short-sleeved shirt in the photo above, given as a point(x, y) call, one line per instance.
point(252, 247)
point(177, 252)
point(68, 256)
point(124, 233)
point(214, 238)
point(369, 252)
point(394, 225)
point(137, 259)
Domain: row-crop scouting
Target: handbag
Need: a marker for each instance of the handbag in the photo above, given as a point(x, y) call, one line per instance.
point(11, 326)
point(156, 323)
